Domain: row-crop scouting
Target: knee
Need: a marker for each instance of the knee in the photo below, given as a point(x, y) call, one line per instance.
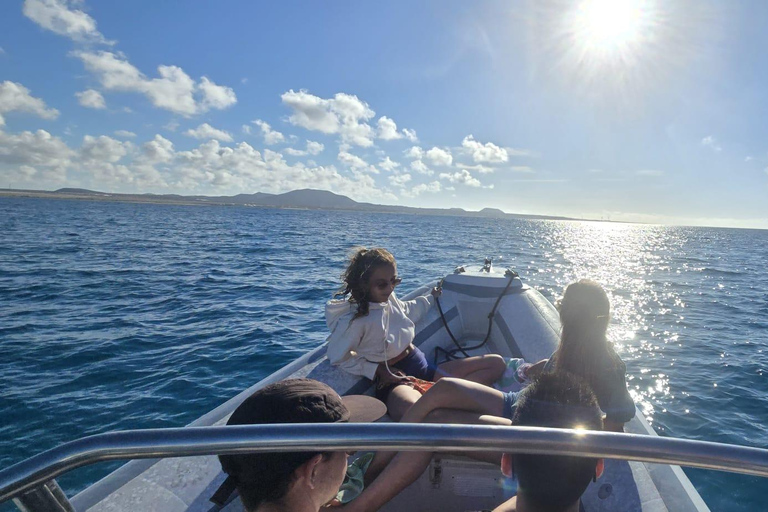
point(496, 362)
point(438, 416)
point(447, 384)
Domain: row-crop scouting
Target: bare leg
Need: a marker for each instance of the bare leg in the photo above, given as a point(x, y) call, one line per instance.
point(485, 369)
point(458, 395)
point(407, 467)
point(400, 400)
point(449, 393)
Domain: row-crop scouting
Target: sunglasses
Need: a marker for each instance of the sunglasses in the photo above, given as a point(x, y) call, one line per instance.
point(383, 284)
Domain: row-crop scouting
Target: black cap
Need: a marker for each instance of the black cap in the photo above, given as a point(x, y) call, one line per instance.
point(289, 401)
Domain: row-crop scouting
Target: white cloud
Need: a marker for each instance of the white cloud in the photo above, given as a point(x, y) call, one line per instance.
point(419, 189)
point(399, 180)
point(58, 17)
point(246, 129)
point(16, 97)
point(439, 156)
point(748, 159)
point(158, 150)
point(243, 168)
point(174, 90)
point(410, 135)
point(43, 155)
point(104, 163)
point(461, 177)
point(345, 114)
point(125, 134)
point(103, 149)
point(171, 125)
point(91, 99)
point(214, 96)
point(314, 148)
point(206, 131)
point(311, 112)
point(414, 152)
point(270, 136)
point(521, 168)
point(2, 52)
point(388, 164)
point(482, 169)
point(710, 142)
point(387, 129)
point(484, 153)
point(421, 167)
point(355, 162)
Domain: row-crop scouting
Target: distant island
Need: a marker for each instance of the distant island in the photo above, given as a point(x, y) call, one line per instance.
point(307, 199)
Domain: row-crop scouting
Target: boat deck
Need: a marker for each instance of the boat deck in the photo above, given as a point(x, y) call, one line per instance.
point(526, 325)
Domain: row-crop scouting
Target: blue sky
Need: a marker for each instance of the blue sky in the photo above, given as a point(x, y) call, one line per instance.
point(636, 110)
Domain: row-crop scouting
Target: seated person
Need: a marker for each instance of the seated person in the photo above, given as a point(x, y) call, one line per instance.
point(546, 483)
point(552, 483)
point(295, 481)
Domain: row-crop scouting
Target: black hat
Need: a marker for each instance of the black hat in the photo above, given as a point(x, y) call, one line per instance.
point(289, 401)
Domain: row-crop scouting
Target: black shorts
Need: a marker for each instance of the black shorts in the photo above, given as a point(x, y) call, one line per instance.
point(413, 365)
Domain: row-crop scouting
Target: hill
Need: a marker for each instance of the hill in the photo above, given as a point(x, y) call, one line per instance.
point(305, 198)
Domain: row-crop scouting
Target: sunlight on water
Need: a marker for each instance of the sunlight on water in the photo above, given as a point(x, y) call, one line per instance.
point(624, 258)
point(169, 311)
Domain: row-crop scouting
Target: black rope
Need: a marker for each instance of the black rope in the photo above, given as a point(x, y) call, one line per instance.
point(451, 354)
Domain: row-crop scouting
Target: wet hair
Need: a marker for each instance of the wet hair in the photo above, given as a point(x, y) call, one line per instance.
point(555, 400)
point(584, 348)
point(362, 263)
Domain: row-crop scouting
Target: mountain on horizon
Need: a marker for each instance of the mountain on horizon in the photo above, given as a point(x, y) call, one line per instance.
point(302, 198)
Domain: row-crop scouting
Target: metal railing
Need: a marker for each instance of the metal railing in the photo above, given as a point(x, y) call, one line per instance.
point(186, 442)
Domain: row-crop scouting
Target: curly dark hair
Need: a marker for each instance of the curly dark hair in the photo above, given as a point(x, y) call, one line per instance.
point(362, 263)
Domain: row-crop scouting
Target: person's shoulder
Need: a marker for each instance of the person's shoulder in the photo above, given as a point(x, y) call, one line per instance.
point(338, 311)
point(338, 307)
point(614, 362)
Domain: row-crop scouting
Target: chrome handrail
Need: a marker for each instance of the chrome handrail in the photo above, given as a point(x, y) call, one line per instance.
point(187, 442)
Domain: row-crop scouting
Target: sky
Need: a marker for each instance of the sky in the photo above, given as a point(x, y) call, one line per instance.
point(627, 110)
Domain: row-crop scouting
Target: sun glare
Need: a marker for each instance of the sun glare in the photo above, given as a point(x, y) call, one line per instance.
point(609, 25)
point(613, 28)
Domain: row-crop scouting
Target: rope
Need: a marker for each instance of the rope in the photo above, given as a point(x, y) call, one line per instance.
point(451, 354)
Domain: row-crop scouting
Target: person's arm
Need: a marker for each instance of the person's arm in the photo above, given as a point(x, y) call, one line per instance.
point(620, 408)
point(343, 342)
point(418, 307)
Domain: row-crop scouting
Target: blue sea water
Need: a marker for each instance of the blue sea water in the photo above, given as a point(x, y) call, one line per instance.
point(120, 316)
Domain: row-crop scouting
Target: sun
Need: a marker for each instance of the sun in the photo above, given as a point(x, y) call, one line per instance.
point(608, 28)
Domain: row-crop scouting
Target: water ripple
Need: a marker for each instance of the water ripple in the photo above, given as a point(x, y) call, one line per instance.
point(119, 316)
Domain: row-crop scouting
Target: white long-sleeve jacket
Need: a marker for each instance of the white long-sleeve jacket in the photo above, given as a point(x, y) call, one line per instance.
point(358, 346)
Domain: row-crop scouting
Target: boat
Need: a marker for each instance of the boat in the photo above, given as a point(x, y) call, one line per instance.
point(482, 310)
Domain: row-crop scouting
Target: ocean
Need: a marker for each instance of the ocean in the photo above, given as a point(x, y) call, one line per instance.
point(120, 316)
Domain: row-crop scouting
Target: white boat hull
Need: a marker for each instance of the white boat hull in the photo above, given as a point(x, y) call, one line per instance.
point(525, 325)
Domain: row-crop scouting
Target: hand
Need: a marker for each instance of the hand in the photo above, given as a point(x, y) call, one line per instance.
point(384, 378)
point(437, 291)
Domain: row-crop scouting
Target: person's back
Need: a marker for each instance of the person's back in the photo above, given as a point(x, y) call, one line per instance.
point(553, 483)
point(585, 351)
